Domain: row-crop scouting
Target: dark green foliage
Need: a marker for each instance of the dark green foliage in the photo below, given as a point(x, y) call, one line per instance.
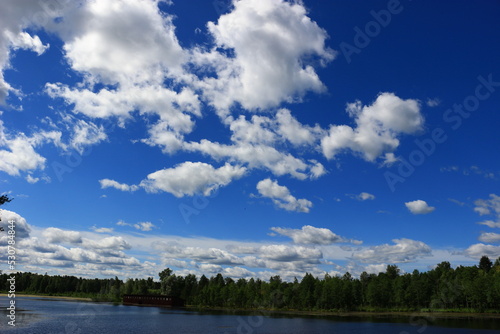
point(485, 264)
point(5, 199)
point(165, 274)
point(474, 288)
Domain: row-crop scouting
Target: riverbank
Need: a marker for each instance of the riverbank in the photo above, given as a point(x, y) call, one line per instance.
point(362, 314)
point(108, 318)
point(50, 297)
point(347, 314)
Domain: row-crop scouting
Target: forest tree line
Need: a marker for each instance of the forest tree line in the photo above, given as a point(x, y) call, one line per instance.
point(465, 288)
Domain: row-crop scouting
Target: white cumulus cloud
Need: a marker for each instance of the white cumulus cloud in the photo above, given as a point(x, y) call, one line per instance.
point(312, 235)
point(22, 228)
point(191, 178)
point(489, 237)
point(17, 152)
point(109, 39)
point(144, 226)
point(107, 183)
point(281, 196)
point(419, 207)
point(478, 250)
point(281, 36)
point(15, 17)
point(491, 207)
point(365, 196)
point(290, 253)
point(56, 235)
point(403, 250)
point(378, 127)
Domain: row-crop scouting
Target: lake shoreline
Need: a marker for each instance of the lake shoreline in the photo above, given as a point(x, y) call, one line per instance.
point(47, 315)
point(83, 299)
point(361, 314)
point(354, 314)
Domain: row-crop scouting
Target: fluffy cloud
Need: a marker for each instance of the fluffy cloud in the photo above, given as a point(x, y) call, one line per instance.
point(294, 131)
point(20, 150)
point(131, 48)
point(22, 228)
point(211, 255)
point(256, 131)
point(489, 237)
point(85, 134)
point(486, 207)
point(185, 179)
point(258, 156)
point(131, 63)
point(364, 196)
point(144, 226)
point(107, 183)
point(91, 255)
point(56, 235)
point(433, 102)
point(19, 153)
point(237, 272)
point(377, 127)
point(281, 35)
point(376, 268)
point(316, 170)
point(404, 250)
point(14, 18)
point(284, 127)
point(173, 108)
point(282, 258)
point(106, 39)
point(261, 142)
point(419, 207)
point(130, 60)
point(190, 178)
point(312, 235)
point(98, 44)
point(490, 223)
point(109, 243)
point(290, 253)
point(41, 250)
point(32, 179)
point(478, 250)
point(102, 229)
point(489, 206)
point(281, 196)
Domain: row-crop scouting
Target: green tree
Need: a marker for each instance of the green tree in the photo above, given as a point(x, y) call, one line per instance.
point(165, 273)
point(392, 272)
point(166, 281)
point(5, 199)
point(190, 287)
point(307, 287)
point(485, 264)
point(128, 287)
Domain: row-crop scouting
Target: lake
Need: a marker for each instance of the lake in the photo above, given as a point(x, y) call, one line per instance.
point(41, 315)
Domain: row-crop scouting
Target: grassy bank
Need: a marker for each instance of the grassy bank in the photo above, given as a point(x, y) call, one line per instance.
point(368, 312)
point(86, 299)
point(361, 313)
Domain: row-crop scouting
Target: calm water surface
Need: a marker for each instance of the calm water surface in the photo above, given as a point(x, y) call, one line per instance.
point(37, 315)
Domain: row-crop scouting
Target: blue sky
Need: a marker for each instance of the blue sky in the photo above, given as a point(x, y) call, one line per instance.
point(251, 138)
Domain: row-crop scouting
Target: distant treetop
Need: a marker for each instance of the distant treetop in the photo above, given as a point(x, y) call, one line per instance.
point(4, 199)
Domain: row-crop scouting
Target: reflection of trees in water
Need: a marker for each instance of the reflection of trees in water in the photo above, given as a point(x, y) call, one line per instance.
point(24, 318)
